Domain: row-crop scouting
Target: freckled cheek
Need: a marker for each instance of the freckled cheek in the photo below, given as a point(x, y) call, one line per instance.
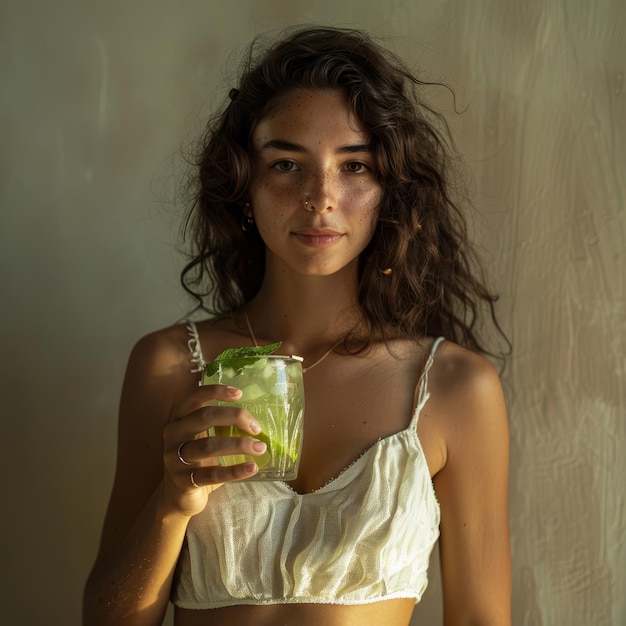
point(362, 198)
point(277, 195)
point(271, 205)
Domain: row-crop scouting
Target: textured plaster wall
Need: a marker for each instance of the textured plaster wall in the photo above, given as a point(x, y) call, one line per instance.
point(95, 101)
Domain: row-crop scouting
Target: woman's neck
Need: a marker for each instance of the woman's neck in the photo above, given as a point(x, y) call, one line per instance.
point(306, 313)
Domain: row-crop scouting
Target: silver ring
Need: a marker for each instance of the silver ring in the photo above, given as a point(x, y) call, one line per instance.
point(180, 456)
point(193, 481)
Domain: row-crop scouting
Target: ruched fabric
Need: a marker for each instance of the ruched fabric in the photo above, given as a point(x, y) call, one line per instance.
point(365, 536)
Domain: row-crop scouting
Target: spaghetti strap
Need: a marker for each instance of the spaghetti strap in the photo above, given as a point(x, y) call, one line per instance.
point(422, 386)
point(193, 343)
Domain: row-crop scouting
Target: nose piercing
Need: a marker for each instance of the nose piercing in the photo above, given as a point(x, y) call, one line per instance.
point(306, 206)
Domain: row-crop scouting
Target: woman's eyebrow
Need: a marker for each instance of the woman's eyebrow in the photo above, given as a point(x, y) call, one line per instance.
point(358, 147)
point(281, 144)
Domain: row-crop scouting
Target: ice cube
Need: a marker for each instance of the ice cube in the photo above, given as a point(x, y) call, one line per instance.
point(253, 391)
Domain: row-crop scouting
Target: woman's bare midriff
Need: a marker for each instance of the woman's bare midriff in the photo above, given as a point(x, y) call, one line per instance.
point(396, 612)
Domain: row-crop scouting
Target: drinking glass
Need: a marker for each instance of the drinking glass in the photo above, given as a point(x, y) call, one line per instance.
point(273, 392)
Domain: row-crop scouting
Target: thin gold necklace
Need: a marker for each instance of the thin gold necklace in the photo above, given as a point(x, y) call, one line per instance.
point(304, 369)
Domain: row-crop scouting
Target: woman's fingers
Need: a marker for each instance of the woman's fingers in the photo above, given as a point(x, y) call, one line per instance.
point(216, 474)
point(191, 455)
point(196, 412)
point(197, 424)
point(186, 437)
point(196, 451)
point(194, 473)
point(202, 396)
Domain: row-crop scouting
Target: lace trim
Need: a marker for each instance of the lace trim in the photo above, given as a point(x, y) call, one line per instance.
point(193, 343)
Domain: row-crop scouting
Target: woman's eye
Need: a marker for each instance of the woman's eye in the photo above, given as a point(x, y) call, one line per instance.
point(354, 167)
point(284, 166)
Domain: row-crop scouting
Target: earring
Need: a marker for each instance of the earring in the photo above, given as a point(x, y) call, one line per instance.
point(387, 271)
point(247, 221)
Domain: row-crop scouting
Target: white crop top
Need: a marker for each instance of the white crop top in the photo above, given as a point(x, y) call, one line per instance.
point(363, 537)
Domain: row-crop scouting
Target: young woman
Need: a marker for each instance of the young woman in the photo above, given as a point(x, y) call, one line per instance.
point(323, 219)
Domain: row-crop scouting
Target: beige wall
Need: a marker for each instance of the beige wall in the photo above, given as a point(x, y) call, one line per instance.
point(96, 99)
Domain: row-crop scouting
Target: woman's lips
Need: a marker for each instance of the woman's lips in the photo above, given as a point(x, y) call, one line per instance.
point(317, 237)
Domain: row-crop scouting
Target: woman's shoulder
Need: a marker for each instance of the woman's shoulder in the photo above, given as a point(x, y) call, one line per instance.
point(455, 361)
point(173, 346)
point(452, 364)
point(466, 412)
point(465, 383)
point(163, 348)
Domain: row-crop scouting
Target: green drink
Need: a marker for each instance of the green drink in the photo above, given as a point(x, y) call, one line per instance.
point(273, 393)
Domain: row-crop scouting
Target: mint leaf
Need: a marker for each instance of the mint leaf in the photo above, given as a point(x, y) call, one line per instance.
point(234, 354)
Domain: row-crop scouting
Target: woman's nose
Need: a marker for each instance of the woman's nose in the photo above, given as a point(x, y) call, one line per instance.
point(321, 193)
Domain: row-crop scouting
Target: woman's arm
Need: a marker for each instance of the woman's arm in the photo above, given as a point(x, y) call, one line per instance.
point(153, 497)
point(472, 489)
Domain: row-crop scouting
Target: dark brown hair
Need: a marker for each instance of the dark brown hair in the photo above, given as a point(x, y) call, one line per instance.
point(436, 286)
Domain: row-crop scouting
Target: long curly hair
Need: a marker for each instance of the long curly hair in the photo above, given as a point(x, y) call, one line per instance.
point(436, 286)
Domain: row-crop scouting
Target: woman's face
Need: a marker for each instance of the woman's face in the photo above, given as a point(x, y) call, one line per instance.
point(314, 192)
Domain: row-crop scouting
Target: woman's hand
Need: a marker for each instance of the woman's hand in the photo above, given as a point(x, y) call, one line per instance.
point(190, 456)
